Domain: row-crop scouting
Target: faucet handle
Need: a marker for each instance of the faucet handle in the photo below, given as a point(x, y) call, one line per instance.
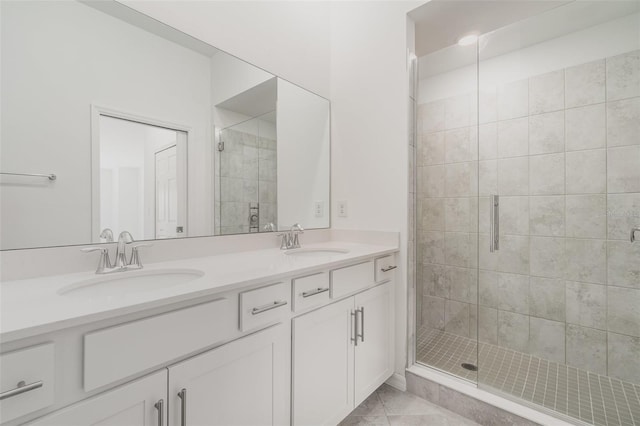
point(296, 229)
point(285, 242)
point(104, 250)
point(104, 262)
point(136, 246)
point(135, 257)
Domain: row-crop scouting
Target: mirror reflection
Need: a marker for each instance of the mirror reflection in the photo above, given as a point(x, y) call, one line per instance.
point(143, 182)
point(147, 130)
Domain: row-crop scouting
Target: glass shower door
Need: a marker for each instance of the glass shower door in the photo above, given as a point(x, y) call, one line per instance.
point(559, 193)
point(447, 211)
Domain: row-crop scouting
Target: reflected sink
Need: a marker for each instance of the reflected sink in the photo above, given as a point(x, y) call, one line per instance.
point(312, 252)
point(120, 284)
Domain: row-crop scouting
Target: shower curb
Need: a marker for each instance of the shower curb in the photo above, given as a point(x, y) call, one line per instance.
point(458, 396)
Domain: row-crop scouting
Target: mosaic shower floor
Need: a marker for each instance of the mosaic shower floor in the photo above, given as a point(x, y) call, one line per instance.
point(592, 398)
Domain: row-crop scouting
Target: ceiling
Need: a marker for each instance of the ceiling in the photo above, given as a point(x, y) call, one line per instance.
point(501, 35)
point(440, 23)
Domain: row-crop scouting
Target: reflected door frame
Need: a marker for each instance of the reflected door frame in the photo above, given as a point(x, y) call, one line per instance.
point(97, 111)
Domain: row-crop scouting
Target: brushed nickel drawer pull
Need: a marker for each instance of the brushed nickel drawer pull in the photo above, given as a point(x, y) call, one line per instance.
point(270, 306)
point(388, 268)
point(314, 292)
point(20, 388)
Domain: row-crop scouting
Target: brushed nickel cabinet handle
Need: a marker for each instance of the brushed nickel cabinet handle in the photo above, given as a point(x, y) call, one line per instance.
point(314, 292)
point(183, 406)
point(270, 306)
point(354, 327)
point(21, 388)
point(160, 407)
point(361, 335)
point(633, 234)
point(388, 268)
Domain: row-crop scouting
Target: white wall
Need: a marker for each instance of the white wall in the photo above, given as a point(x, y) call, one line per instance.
point(369, 110)
point(287, 38)
point(302, 156)
point(51, 76)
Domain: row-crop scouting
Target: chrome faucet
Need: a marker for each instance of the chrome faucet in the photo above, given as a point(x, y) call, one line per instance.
point(104, 263)
point(290, 239)
point(123, 239)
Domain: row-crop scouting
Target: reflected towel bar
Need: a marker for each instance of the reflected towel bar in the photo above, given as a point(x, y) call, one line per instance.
point(50, 177)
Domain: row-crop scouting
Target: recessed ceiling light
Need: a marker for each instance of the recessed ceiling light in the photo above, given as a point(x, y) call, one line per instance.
point(468, 39)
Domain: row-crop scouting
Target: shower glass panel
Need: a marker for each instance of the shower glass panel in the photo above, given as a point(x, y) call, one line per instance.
point(447, 211)
point(559, 144)
point(247, 193)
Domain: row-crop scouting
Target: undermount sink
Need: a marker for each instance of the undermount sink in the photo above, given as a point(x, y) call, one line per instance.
point(311, 252)
point(121, 284)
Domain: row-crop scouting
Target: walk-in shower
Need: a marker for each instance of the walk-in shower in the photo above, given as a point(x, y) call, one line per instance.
point(527, 189)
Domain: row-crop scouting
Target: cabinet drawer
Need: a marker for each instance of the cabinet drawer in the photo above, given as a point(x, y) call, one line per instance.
point(26, 381)
point(310, 291)
point(351, 279)
point(264, 306)
point(385, 268)
point(118, 352)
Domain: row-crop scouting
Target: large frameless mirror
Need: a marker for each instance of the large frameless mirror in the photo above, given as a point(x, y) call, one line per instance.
point(113, 121)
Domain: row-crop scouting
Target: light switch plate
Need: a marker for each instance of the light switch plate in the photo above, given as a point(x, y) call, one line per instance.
point(342, 208)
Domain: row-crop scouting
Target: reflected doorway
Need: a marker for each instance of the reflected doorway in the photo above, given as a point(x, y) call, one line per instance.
point(142, 181)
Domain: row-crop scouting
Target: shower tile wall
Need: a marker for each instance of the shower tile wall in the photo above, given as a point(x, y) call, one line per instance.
point(563, 151)
point(247, 175)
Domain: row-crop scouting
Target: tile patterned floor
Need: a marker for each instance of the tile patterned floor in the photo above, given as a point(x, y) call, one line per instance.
point(592, 398)
point(391, 407)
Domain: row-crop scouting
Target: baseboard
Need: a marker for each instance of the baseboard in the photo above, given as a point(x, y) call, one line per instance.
point(397, 381)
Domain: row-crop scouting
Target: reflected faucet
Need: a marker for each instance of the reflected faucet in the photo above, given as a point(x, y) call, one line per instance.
point(107, 235)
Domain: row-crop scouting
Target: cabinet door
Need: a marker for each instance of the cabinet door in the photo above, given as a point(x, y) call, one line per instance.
point(133, 404)
point(374, 352)
point(323, 365)
point(246, 382)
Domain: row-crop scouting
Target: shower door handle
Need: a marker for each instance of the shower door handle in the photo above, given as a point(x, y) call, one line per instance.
point(494, 223)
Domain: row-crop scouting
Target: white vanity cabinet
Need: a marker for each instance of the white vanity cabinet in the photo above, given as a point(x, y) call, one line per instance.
point(374, 353)
point(245, 382)
point(323, 364)
point(299, 350)
point(341, 354)
point(139, 403)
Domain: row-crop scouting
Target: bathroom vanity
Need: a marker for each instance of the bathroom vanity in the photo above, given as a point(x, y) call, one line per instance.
point(298, 337)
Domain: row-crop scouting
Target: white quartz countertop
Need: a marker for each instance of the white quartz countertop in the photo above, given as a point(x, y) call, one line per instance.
point(34, 306)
